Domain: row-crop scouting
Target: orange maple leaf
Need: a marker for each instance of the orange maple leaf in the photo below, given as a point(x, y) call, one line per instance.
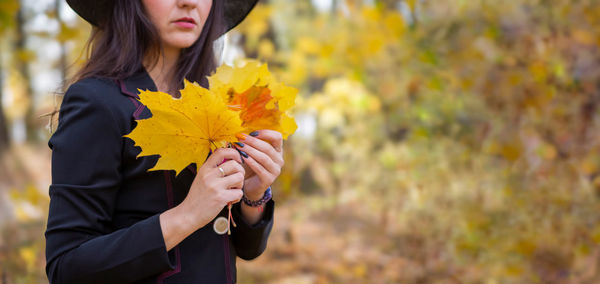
point(262, 101)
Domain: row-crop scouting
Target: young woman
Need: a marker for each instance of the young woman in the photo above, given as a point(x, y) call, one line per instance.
point(111, 221)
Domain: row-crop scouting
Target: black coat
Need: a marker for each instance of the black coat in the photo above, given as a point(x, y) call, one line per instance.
point(103, 224)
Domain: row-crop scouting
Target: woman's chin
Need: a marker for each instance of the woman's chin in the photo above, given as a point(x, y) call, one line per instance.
point(182, 42)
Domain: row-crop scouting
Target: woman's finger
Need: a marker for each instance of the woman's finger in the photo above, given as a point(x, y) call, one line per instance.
point(221, 154)
point(263, 147)
point(232, 195)
point(235, 181)
point(263, 159)
point(229, 167)
point(270, 136)
point(263, 174)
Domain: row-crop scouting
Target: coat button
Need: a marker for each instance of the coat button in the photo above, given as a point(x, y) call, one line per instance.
point(221, 225)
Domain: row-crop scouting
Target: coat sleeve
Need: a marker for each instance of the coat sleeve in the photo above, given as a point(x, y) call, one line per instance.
point(250, 241)
point(81, 244)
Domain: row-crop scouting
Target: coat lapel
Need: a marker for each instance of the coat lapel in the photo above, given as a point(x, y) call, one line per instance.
point(140, 80)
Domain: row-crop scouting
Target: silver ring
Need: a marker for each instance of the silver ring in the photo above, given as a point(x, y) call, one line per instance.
point(222, 171)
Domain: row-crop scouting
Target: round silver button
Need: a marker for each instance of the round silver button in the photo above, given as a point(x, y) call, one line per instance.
point(221, 225)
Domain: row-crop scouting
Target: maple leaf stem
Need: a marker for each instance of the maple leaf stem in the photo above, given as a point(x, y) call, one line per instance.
point(230, 220)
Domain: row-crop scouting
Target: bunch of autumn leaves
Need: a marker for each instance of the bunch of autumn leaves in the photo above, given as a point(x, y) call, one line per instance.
point(239, 100)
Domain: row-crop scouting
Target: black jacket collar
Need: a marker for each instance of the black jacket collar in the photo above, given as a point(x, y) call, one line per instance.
point(140, 80)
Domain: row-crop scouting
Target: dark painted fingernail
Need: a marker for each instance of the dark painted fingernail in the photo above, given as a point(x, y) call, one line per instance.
point(254, 133)
point(240, 144)
point(243, 154)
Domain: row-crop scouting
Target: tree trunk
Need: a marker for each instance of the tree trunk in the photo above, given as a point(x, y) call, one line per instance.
point(22, 67)
point(334, 8)
point(4, 277)
point(4, 140)
point(63, 48)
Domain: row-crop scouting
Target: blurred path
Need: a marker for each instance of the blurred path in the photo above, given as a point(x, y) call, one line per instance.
point(21, 166)
point(340, 245)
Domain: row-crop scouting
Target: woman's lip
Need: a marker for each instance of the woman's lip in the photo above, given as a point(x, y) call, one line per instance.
point(185, 22)
point(185, 25)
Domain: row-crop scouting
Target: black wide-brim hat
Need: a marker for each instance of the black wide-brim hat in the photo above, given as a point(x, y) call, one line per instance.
point(94, 11)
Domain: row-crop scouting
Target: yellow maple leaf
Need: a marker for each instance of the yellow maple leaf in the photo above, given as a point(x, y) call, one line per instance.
point(262, 101)
point(184, 130)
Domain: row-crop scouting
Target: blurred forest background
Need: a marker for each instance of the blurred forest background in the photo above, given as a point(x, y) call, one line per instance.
point(446, 141)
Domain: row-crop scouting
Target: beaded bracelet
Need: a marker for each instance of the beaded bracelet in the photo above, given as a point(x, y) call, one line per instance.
point(256, 203)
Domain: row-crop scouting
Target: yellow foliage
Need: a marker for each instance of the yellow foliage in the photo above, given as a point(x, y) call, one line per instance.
point(471, 126)
point(29, 204)
point(412, 4)
point(7, 10)
point(547, 151)
point(584, 37)
point(240, 78)
point(256, 23)
point(514, 270)
point(538, 71)
point(590, 165)
point(183, 131)
point(525, 247)
point(67, 33)
point(29, 255)
point(395, 24)
point(308, 45)
point(360, 270)
point(262, 101)
point(25, 55)
point(31, 195)
point(266, 49)
point(17, 108)
point(596, 235)
point(346, 96)
point(297, 68)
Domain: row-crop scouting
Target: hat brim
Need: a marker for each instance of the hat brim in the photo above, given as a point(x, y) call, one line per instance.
point(236, 11)
point(93, 11)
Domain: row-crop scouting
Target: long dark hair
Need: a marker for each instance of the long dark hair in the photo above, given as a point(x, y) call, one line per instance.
point(118, 47)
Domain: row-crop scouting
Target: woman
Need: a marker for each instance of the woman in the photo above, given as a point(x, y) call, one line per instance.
point(111, 221)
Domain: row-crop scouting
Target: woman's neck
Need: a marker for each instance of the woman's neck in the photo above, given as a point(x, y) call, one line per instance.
point(163, 71)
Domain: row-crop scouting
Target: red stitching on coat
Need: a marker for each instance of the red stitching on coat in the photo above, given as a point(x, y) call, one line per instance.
point(133, 97)
point(191, 168)
point(177, 254)
point(138, 111)
point(227, 258)
point(177, 269)
point(169, 189)
point(125, 91)
point(139, 107)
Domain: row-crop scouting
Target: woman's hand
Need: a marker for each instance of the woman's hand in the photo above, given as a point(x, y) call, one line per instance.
point(265, 160)
point(211, 190)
